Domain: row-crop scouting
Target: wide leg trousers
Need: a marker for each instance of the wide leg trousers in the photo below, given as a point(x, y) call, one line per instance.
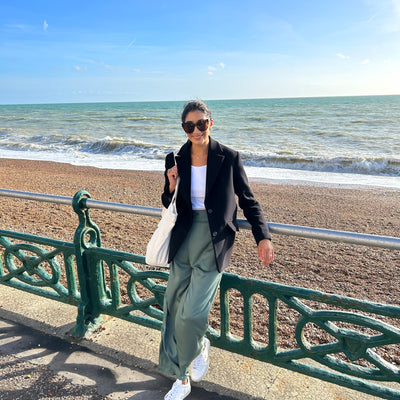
point(191, 289)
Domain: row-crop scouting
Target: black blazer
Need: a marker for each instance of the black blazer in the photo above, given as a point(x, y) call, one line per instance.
point(225, 179)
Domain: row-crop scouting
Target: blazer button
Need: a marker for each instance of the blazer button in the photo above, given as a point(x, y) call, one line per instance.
point(215, 234)
point(210, 211)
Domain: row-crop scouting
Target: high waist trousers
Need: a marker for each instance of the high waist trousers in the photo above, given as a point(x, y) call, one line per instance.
point(191, 289)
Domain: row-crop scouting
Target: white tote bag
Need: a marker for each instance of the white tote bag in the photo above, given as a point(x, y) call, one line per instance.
point(158, 247)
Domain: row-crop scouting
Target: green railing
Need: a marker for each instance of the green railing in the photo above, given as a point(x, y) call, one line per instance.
point(85, 274)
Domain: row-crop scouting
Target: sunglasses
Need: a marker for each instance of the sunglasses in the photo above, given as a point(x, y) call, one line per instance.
point(202, 125)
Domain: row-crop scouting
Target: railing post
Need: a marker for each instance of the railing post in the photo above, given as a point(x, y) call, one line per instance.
point(87, 235)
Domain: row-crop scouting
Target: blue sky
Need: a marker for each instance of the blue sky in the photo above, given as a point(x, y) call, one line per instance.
point(84, 51)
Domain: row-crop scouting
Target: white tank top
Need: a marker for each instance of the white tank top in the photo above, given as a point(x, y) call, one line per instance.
point(198, 189)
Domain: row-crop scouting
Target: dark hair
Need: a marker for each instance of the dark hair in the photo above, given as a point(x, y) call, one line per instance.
point(195, 105)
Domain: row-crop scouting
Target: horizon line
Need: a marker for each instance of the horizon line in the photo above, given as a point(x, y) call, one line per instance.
point(180, 101)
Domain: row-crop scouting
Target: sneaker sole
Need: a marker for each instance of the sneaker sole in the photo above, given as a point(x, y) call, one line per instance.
point(208, 364)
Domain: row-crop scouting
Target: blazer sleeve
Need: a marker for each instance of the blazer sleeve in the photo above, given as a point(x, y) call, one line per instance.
point(247, 202)
point(166, 196)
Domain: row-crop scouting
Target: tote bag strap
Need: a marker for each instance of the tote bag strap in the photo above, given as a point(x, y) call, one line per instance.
point(177, 183)
point(176, 190)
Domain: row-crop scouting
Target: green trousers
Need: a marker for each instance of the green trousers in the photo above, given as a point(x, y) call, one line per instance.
point(191, 289)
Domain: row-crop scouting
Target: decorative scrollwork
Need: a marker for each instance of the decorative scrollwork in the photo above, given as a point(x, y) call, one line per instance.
point(145, 279)
point(353, 343)
point(33, 268)
point(25, 267)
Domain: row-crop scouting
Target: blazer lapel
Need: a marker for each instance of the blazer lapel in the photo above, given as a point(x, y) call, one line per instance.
point(214, 161)
point(184, 162)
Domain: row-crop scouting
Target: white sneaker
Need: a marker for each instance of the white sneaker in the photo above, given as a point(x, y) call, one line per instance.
point(179, 391)
point(200, 364)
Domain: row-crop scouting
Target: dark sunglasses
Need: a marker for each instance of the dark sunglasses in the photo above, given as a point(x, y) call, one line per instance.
point(202, 125)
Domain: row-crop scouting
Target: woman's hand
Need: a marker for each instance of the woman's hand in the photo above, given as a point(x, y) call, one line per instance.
point(172, 174)
point(265, 252)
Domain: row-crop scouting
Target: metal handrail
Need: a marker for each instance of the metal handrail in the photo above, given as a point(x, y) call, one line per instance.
point(388, 242)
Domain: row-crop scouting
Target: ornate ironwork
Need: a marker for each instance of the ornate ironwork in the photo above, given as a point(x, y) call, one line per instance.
point(35, 266)
point(144, 311)
point(87, 236)
point(350, 341)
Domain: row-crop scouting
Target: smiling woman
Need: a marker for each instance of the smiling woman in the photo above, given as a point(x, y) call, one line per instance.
point(211, 176)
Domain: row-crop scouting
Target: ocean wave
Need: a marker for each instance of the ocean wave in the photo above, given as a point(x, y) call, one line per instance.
point(5, 133)
point(113, 146)
point(357, 165)
point(345, 135)
point(123, 118)
point(107, 146)
point(128, 147)
point(110, 148)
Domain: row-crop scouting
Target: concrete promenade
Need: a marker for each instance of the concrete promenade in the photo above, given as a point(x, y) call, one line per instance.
point(120, 359)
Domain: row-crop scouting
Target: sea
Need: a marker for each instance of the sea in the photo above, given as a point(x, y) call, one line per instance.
point(333, 141)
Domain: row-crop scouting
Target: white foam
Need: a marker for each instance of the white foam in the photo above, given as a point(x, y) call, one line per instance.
point(317, 178)
point(264, 174)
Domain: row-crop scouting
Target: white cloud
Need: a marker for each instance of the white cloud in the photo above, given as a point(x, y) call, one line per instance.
point(212, 69)
point(21, 27)
point(342, 56)
point(366, 61)
point(106, 66)
point(79, 68)
point(45, 25)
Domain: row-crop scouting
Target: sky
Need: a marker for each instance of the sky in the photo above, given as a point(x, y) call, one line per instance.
point(136, 50)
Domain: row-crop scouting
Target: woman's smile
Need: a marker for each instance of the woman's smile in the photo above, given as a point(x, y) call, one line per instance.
point(197, 136)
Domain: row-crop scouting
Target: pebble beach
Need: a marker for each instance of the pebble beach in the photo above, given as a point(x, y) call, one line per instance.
point(361, 272)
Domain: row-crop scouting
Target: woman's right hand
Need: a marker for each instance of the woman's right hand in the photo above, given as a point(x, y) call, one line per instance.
point(172, 175)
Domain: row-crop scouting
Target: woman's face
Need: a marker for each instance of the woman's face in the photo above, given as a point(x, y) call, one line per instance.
point(198, 137)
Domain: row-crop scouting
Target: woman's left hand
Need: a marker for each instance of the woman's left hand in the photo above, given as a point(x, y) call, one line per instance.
point(265, 252)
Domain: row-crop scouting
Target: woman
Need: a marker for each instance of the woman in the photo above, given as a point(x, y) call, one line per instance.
point(201, 243)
